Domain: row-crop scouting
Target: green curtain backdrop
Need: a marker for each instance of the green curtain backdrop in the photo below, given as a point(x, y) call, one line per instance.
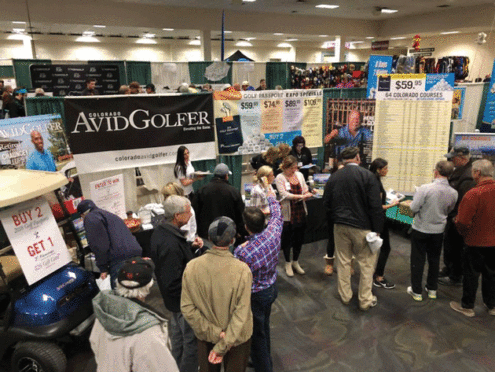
point(276, 74)
point(122, 70)
point(7, 71)
point(234, 162)
point(203, 166)
point(197, 73)
point(481, 112)
point(138, 71)
point(22, 73)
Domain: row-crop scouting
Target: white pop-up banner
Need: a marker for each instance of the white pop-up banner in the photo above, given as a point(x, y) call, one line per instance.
point(35, 238)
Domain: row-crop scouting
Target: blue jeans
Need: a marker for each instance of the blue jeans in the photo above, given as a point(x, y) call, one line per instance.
point(261, 306)
point(184, 344)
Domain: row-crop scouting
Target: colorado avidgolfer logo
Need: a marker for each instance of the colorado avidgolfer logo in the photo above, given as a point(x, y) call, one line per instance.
point(140, 119)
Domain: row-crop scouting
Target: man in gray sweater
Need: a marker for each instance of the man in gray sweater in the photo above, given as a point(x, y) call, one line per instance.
point(432, 203)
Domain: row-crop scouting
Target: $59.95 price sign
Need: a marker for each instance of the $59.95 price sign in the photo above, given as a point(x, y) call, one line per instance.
point(35, 238)
point(400, 86)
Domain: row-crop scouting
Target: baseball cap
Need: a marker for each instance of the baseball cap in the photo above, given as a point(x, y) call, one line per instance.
point(221, 231)
point(85, 206)
point(221, 170)
point(457, 150)
point(245, 82)
point(136, 273)
point(349, 153)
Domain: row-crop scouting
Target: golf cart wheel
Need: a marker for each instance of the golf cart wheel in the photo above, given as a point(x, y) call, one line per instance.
point(38, 357)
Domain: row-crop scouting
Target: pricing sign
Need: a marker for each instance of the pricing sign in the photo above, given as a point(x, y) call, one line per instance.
point(35, 238)
point(267, 104)
point(249, 105)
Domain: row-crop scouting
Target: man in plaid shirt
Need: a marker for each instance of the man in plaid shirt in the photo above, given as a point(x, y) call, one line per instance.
point(260, 252)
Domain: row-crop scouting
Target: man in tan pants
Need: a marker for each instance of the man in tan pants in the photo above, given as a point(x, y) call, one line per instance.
point(352, 197)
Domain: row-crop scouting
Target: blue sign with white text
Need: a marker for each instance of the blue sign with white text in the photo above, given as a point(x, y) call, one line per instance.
point(378, 65)
point(488, 124)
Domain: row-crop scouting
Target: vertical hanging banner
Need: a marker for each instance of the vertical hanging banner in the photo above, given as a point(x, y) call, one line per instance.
point(35, 238)
point(249, 122)
point(412, 124)
point(108, 133)
point(488, 124)
point(458, 101)
point(378, 65)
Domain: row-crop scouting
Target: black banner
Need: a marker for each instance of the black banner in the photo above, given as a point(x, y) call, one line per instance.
point(70, 80)
point(132, 131)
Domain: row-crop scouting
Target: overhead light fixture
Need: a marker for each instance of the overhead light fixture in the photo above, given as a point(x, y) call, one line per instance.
point(248, 1)
point(87, 39)
point(291, 39)
point(449, 32)
point(389, 11)
point(19, 22)
point(145, 40)
point(88, 33)
point(227, 32)
point(249, 38)
point(284, 45)
point(19, 37)
point(397, 38)
point(167, 29)
point(243, 43)
point(326, 6)
point(149, 35)
point(357, 42)
point(18, 30)
point(99, 26)
point(278, 34)
point(323, 35)
point(370, 37)
point(195, 42)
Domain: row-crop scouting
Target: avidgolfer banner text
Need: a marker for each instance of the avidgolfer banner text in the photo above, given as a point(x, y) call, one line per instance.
point(107, 133)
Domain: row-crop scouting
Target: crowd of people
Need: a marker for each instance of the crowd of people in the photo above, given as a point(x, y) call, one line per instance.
point(215, 260)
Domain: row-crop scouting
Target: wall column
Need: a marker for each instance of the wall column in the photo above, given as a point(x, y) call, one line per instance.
point(206, 45)
point(340, 51)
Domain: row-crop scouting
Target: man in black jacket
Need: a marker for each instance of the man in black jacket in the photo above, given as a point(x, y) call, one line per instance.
point(352, 197)
point(16, 107)
point(453, 243)
point(216, 199)
point(170, 253)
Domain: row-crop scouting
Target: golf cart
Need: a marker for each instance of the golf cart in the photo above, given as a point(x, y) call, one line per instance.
point(45, 298)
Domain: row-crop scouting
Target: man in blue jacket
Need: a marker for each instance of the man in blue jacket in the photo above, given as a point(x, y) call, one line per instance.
point(109, 239)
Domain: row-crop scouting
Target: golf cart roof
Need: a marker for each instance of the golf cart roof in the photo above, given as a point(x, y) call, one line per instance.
point(18, 185)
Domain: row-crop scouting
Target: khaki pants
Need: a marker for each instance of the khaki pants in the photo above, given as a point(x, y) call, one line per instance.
point(352, 241)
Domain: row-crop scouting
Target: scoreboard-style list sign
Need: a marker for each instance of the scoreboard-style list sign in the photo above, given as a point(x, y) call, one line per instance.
point(35, 238)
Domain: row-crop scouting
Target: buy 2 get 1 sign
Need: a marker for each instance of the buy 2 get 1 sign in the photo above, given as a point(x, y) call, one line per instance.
point(35, 238)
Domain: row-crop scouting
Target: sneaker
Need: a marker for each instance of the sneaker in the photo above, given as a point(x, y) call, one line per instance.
point(457, 306)
point(297, 268)
point(490, 311)
point(431, 293)
point(384, 283)
point(415, 296)
point(374, 302)
point(288, 269)
point(449, 282)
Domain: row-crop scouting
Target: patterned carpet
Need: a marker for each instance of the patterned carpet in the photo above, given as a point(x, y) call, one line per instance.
point(312, 331)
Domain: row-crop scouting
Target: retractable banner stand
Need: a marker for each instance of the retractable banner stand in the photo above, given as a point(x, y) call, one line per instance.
point(108, 133)
point(488, 124)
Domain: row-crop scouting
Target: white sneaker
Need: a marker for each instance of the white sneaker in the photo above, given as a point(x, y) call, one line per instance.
point(288, 269)
point(298, 268)
point(431, 293)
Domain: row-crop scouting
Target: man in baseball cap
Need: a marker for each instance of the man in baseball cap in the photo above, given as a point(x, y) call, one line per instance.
point(127, 331)
point(462, 181)
point(216, 290)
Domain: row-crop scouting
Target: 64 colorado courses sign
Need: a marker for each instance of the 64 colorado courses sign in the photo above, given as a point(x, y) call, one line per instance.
point(35, 238)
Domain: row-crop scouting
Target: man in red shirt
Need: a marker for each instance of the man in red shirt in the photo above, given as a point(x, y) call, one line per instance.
point(475, 221)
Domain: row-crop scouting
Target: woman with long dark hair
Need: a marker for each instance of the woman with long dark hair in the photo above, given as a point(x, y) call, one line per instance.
point(184, 171)
point(379, 167)
point(302, 154)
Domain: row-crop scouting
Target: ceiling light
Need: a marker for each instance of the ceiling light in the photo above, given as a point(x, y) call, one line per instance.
point(389, 11)
point(326, 6)
point(249, 38)
point(243, 43)
point(278, 34)
point(357, 42)
point(88, 33)
point(195, 42)
point(99, 26)
point(149, 36)
point(248, 1)
point(284, 45)
point(397, 38)
point(370, 37)
point(19, 37)
point(449, 32)
point(323, 35)
point(227, 32)
point(167, 29)
point(291, 40)
point(18, 30)
point(19, 22)
point(145, 40)
point(87, 39)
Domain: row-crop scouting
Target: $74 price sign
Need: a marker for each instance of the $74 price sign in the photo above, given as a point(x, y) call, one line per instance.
point(271, 103)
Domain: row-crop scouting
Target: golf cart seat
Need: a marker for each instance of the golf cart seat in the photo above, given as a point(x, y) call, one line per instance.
point(12, 270)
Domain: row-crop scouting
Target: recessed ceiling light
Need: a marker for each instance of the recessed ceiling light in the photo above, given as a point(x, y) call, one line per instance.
point(243, 43)
point(397, 38)
point(145, 40)
point(323, 35)
point(87, 39)
point(278, 34)
point(449, 32)
point(248, 1)
point(357, 42)
point(88, 33)
point(228, 32)
point(149, 36)
point(370, 37)
point(291, 39)
point(195, 42)
point(19, 22)
point(326, 6)
point(99, 26)
point(167, 29)
point(19, 37)
point(249, 38)
point(389, 11)
point(284, 45)
point(18, 30)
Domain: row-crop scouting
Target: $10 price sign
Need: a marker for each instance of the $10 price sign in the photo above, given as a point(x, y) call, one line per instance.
point(35, 238)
